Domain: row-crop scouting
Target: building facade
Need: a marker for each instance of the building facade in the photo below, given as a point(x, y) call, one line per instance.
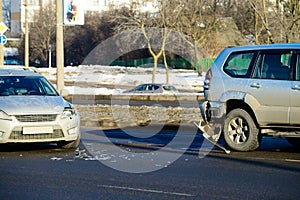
point(16, 8)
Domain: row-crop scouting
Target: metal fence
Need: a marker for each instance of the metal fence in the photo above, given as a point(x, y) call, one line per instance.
point(174, 63)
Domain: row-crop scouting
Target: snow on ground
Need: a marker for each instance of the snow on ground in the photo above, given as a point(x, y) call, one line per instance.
point(114, 79)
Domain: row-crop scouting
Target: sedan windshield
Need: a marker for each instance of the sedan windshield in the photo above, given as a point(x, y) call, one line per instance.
point(26, 85)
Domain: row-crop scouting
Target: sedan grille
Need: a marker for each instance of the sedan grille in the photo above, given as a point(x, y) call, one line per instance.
point(36, 118)
point(17, 135)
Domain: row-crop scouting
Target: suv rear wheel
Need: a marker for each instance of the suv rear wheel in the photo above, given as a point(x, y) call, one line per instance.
point(240, 131)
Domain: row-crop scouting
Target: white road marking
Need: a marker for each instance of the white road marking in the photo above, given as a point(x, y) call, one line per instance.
point(273, 159)
point(292, 160)
point(146, 190)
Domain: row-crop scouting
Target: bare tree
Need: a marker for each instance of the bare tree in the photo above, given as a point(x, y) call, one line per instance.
point(198, 19)
point(152, 27)
point(288, 15)
point(279, 21)
point(6, 12)
point(42, 34)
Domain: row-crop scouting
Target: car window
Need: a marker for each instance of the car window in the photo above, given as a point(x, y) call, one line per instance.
point(25, 85)
point(150, 87)
point(155, 87)
point(169, 88)
point(47, 87)
point(140, 88)
point(273, 66)
point(238, 64)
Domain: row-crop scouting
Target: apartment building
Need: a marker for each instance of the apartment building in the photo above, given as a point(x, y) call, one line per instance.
point(103, 5)
point(17, 10)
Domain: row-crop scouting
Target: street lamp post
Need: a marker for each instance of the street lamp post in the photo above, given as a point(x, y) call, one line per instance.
point(49, 50)
point(59, 47)
point(1, 46)
point(26, 61)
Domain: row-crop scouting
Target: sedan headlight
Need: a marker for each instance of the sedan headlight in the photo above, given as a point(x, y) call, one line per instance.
point(68, 112)
point(4, 116)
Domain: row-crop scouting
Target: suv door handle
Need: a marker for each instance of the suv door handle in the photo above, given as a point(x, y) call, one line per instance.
point(255, 85)
point(296, 87)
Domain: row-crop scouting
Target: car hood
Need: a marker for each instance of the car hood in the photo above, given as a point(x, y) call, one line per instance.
point(24, 105)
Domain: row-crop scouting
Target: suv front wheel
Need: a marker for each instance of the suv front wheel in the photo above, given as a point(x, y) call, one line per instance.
point(240, 131)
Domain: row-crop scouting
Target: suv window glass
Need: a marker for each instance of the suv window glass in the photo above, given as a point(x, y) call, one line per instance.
point(273, 66)
point(238, 64)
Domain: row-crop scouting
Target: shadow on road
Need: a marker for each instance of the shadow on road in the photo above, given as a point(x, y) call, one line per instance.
point(168, 133)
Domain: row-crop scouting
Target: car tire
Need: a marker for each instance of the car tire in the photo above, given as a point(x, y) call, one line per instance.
point(69, 145)
point(240, 131)
point(294, 141)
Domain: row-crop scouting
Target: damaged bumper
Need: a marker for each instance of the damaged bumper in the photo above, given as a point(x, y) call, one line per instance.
point(211, 111)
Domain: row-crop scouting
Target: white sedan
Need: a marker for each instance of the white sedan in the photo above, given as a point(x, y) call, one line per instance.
point(31, 110)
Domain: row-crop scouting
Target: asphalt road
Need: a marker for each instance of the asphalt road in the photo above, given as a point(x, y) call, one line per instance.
point(172, 164)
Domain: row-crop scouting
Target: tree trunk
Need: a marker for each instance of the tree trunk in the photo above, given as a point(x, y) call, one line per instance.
point(167, 67)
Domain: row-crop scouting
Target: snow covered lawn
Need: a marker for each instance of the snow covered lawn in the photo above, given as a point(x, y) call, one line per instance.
point(102, 80)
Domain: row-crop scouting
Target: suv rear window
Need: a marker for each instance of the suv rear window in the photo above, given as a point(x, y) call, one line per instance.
point(239, 64)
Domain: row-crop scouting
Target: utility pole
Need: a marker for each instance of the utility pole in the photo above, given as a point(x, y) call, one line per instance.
point(1, 46)
point(59, 47)
point(26, 56)
point(49, 51)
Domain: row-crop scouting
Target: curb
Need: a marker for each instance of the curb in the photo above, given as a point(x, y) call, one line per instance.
point(139, 97)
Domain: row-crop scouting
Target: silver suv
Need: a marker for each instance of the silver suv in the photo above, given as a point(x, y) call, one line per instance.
point(254, 90)
point(31, 110)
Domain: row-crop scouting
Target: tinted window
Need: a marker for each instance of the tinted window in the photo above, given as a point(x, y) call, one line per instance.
point(141, 87)
point(152, 87)
point(23, 85)
point(239, 64)
point(155, 87)
point(273, 66)
point(169, 88)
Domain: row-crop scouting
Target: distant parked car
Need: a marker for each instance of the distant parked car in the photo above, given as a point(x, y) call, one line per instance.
point(12, 60)
point(254, 91)
point(31, 110)
point(153, 88)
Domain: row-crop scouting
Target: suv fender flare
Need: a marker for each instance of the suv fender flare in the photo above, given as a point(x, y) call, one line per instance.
point(251, 101)
point(248, 100)
point(232, 95)
point(253, 104)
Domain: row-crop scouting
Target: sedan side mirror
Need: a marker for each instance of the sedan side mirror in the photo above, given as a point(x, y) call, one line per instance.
point(64, 93)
